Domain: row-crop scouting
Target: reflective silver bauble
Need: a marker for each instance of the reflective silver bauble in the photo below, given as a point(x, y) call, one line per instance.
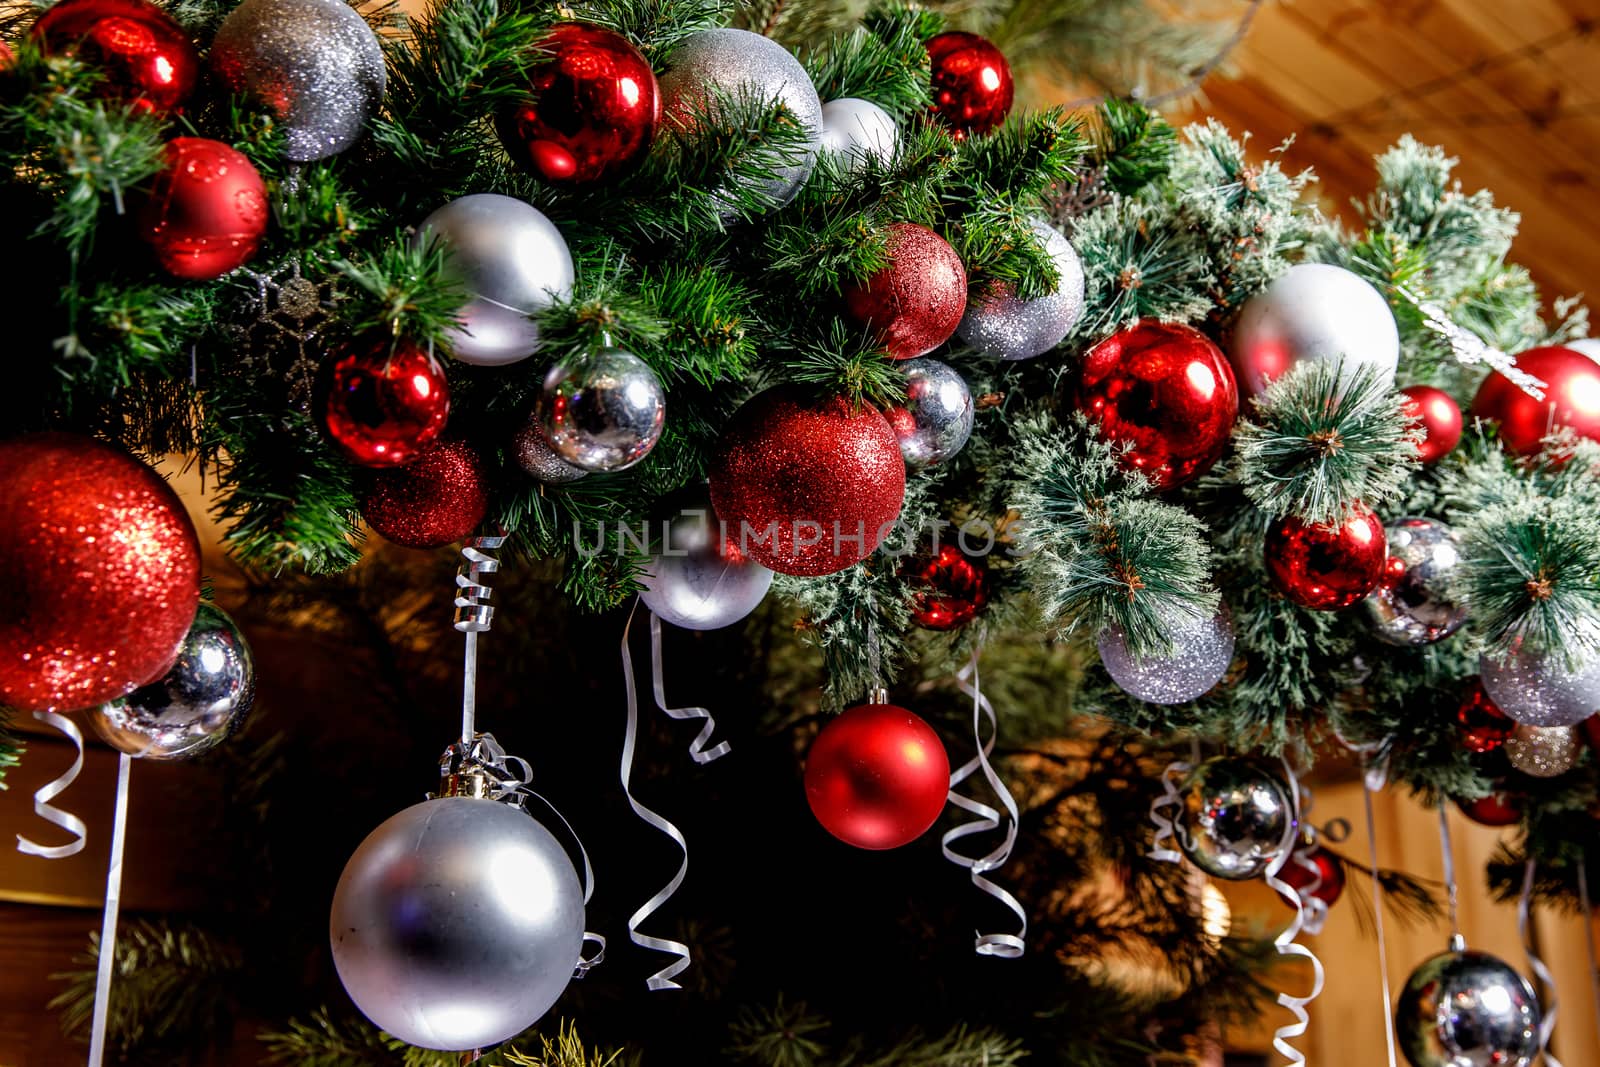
point(1314, 311)
point(1202, 650)
point(1416, 603)
point(1467, 1009)
point(315, 63)
point(604, 412)
point(457, 923)
point(1543, 751)
point(936, 419)
point(1007, 328)
point(535, 456)
point(1236, 820)
point(196, 705)
point(859, 130)
point(695, 581)
point(512, 260)
point(1539, 689)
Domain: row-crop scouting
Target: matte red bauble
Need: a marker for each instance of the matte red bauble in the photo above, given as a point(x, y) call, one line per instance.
point(594, 111)
point(206, 211)
point(1327, 567)
point(915, 303)
point(99, 573)
point(948, 588)
point(877, 777)
point(807, 486)
point(143, 56)
point(438, 499)
point(382, 401)
point(1483, 726)
point(1496, 809)
point(972, 87)
point(1328, 869)
point(1439, 418)
point(1571, 399)
point(1167, 393)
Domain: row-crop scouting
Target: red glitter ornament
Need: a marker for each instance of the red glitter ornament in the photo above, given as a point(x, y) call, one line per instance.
point(949, 588)
point(1328, 868)
point(382, 400)
point(1439, 417)
point(143, 56)
point(1496, 809)
point(438, 499)
point(877, 777)
point(972, 87)
point(915, 303)
point(1571, 399)
point(1167, 392)
point(99, 573)
point(1484, 727)
point(206, 211)
point(1328, 567)
point(807, 487)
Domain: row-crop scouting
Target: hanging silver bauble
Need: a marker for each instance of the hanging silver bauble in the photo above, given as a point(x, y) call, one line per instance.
point(1236, 819)
point(697, 580)
point(1202, 650)
point(604, 412)
point(315, 63)
point(457, 923)
point(1467, 1009)
point(1544, 751)
point(512, 261)
point(1415, 604)
point(1539, 690)
point(1314, 311)
point(859, 130)
point(1002, 326)
point(196, 705)
point(936, 419)
point(535, 456)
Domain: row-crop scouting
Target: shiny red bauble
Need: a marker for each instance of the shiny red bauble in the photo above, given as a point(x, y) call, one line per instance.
point(915, 303)
point(1496, 809)
point(1481, 723)
point(877, 777)
point(206, 211)
point(1571, 399)
point(1327, 567)
point(143, 56)
point(1164, 391)
point(1329, 873)
point(807, 486)
point(1591, 730)
point(382, 400)
point(99, 573)
point(594, 111)
point(437, 499)
point(1439, 417)
point(972, 86)
point(948, 588)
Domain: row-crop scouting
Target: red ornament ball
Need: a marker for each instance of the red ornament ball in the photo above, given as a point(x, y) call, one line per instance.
point(805, 486)
point(144, 57)
point(99, 573)
point(1439, 418)
point(1496, 809)
point(207, 210)
point(594, 111)
point(1591, 730)
point(877, 777)
point(438, 499)
point(1571, 399)
point(948, 588)
point(1165, 391)
point(972, 87)
point(1483, 726)
point(1328, 869)
point(915, 303)
point(1327, 567)
point(382, 401)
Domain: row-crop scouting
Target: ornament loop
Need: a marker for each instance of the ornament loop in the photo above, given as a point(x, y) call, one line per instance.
point(52, 789)
point(107, 950)
point(697, 748)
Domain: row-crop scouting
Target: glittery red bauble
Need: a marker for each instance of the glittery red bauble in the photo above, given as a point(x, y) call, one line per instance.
point(143, 56)
point(99, 573)
point(806, 486)
point(948, 588)
point(877, 776)
point(915, 303)
point(1571, 399)
point(206, 211)
point(594, 111)
point(1165, 391)
point(1329, 870)
point(1327, 567)
point(1483, 726)
point(1439, 418)
point(972, 86)
point(438, 499)
point(1496, 809)
point(382, 401)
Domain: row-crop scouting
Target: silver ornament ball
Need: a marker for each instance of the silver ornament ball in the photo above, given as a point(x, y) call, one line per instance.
point(1314, 311)
point(535, 456)
point(936, 419)
point(1539, 689)
point(512, 261)
point(196, 705)
point(1004, 327)
point(860, 131)
point(1543, 751)
point(1419, 605)
point(694, 581)
point(1237, 818)
point(457, 923)
point(1589, 346)
point(603, 412)
point(1202, 650)
point(316, 63)
point(1467, 1009)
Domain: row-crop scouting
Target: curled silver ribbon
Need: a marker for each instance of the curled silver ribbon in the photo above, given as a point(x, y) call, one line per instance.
point(108, 920)
point(697, 748)
point(52, 789)
point(1377, 912)
point(1588, 934)
point(1316, 909)
point(1549, 1009)
point(473, 617)
point(1169, 798)
point(1287, 945)
point(1004, 946)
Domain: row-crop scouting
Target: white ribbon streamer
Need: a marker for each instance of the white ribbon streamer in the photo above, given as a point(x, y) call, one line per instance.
point(108, 921)
point(1169, 798)
point(1287, 946)
point(1377, 912)
point(1549, 1009)
point(1316, 909)
point(50, 790)
point(697, 748)
point(1588, 934)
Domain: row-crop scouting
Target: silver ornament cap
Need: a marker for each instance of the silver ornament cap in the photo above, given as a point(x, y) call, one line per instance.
point(1202, 651)
point(535, 456)
point(1539, 689)
point(697, 580)
point(1237, 818)
point(604, 412)
point(859, 130)
point(1467, 1009)
point(936, 419)
point(1418, 605)
point(1004, 327)
point(1314, 311)
point(1544, 751)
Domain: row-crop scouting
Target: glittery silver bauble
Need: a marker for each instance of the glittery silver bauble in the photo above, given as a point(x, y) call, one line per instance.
point(457, 923)
point(1007, 328)
point(512, 260)
point(743, 65)
point(316, 63)
point(1236, 819)
point(1589, 346)
point(604, 412)
point(1467, 1009)
point(936, 419)
point(1415, 604)
point(196, 705)
point(1314, 311)
point(1202, 650)
point(1543, 751)
point(1539, 690)
point(535, 456)
point(697, 580)
point(859, 130)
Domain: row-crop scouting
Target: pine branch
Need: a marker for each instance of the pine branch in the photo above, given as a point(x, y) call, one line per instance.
point(405, 291)
point(884, 62)
point(848, 363)
point(783, 1034)
point(11, 746)
point(1134, 146)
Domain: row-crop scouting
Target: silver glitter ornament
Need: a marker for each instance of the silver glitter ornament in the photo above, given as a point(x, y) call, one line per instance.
point(1467, 1009)
point(512, 260)
point(1417, 605)
point(1236, 819)
point(936, 419)
point(694, 581)
point(1539, 689)
point(1202, 650)
point(316, 63)
point(457, 923)
point(1007, 328)
point(604, 412)
point(535, 456)
point(859, 130)
point(1543, 751)
point(1314, 311)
